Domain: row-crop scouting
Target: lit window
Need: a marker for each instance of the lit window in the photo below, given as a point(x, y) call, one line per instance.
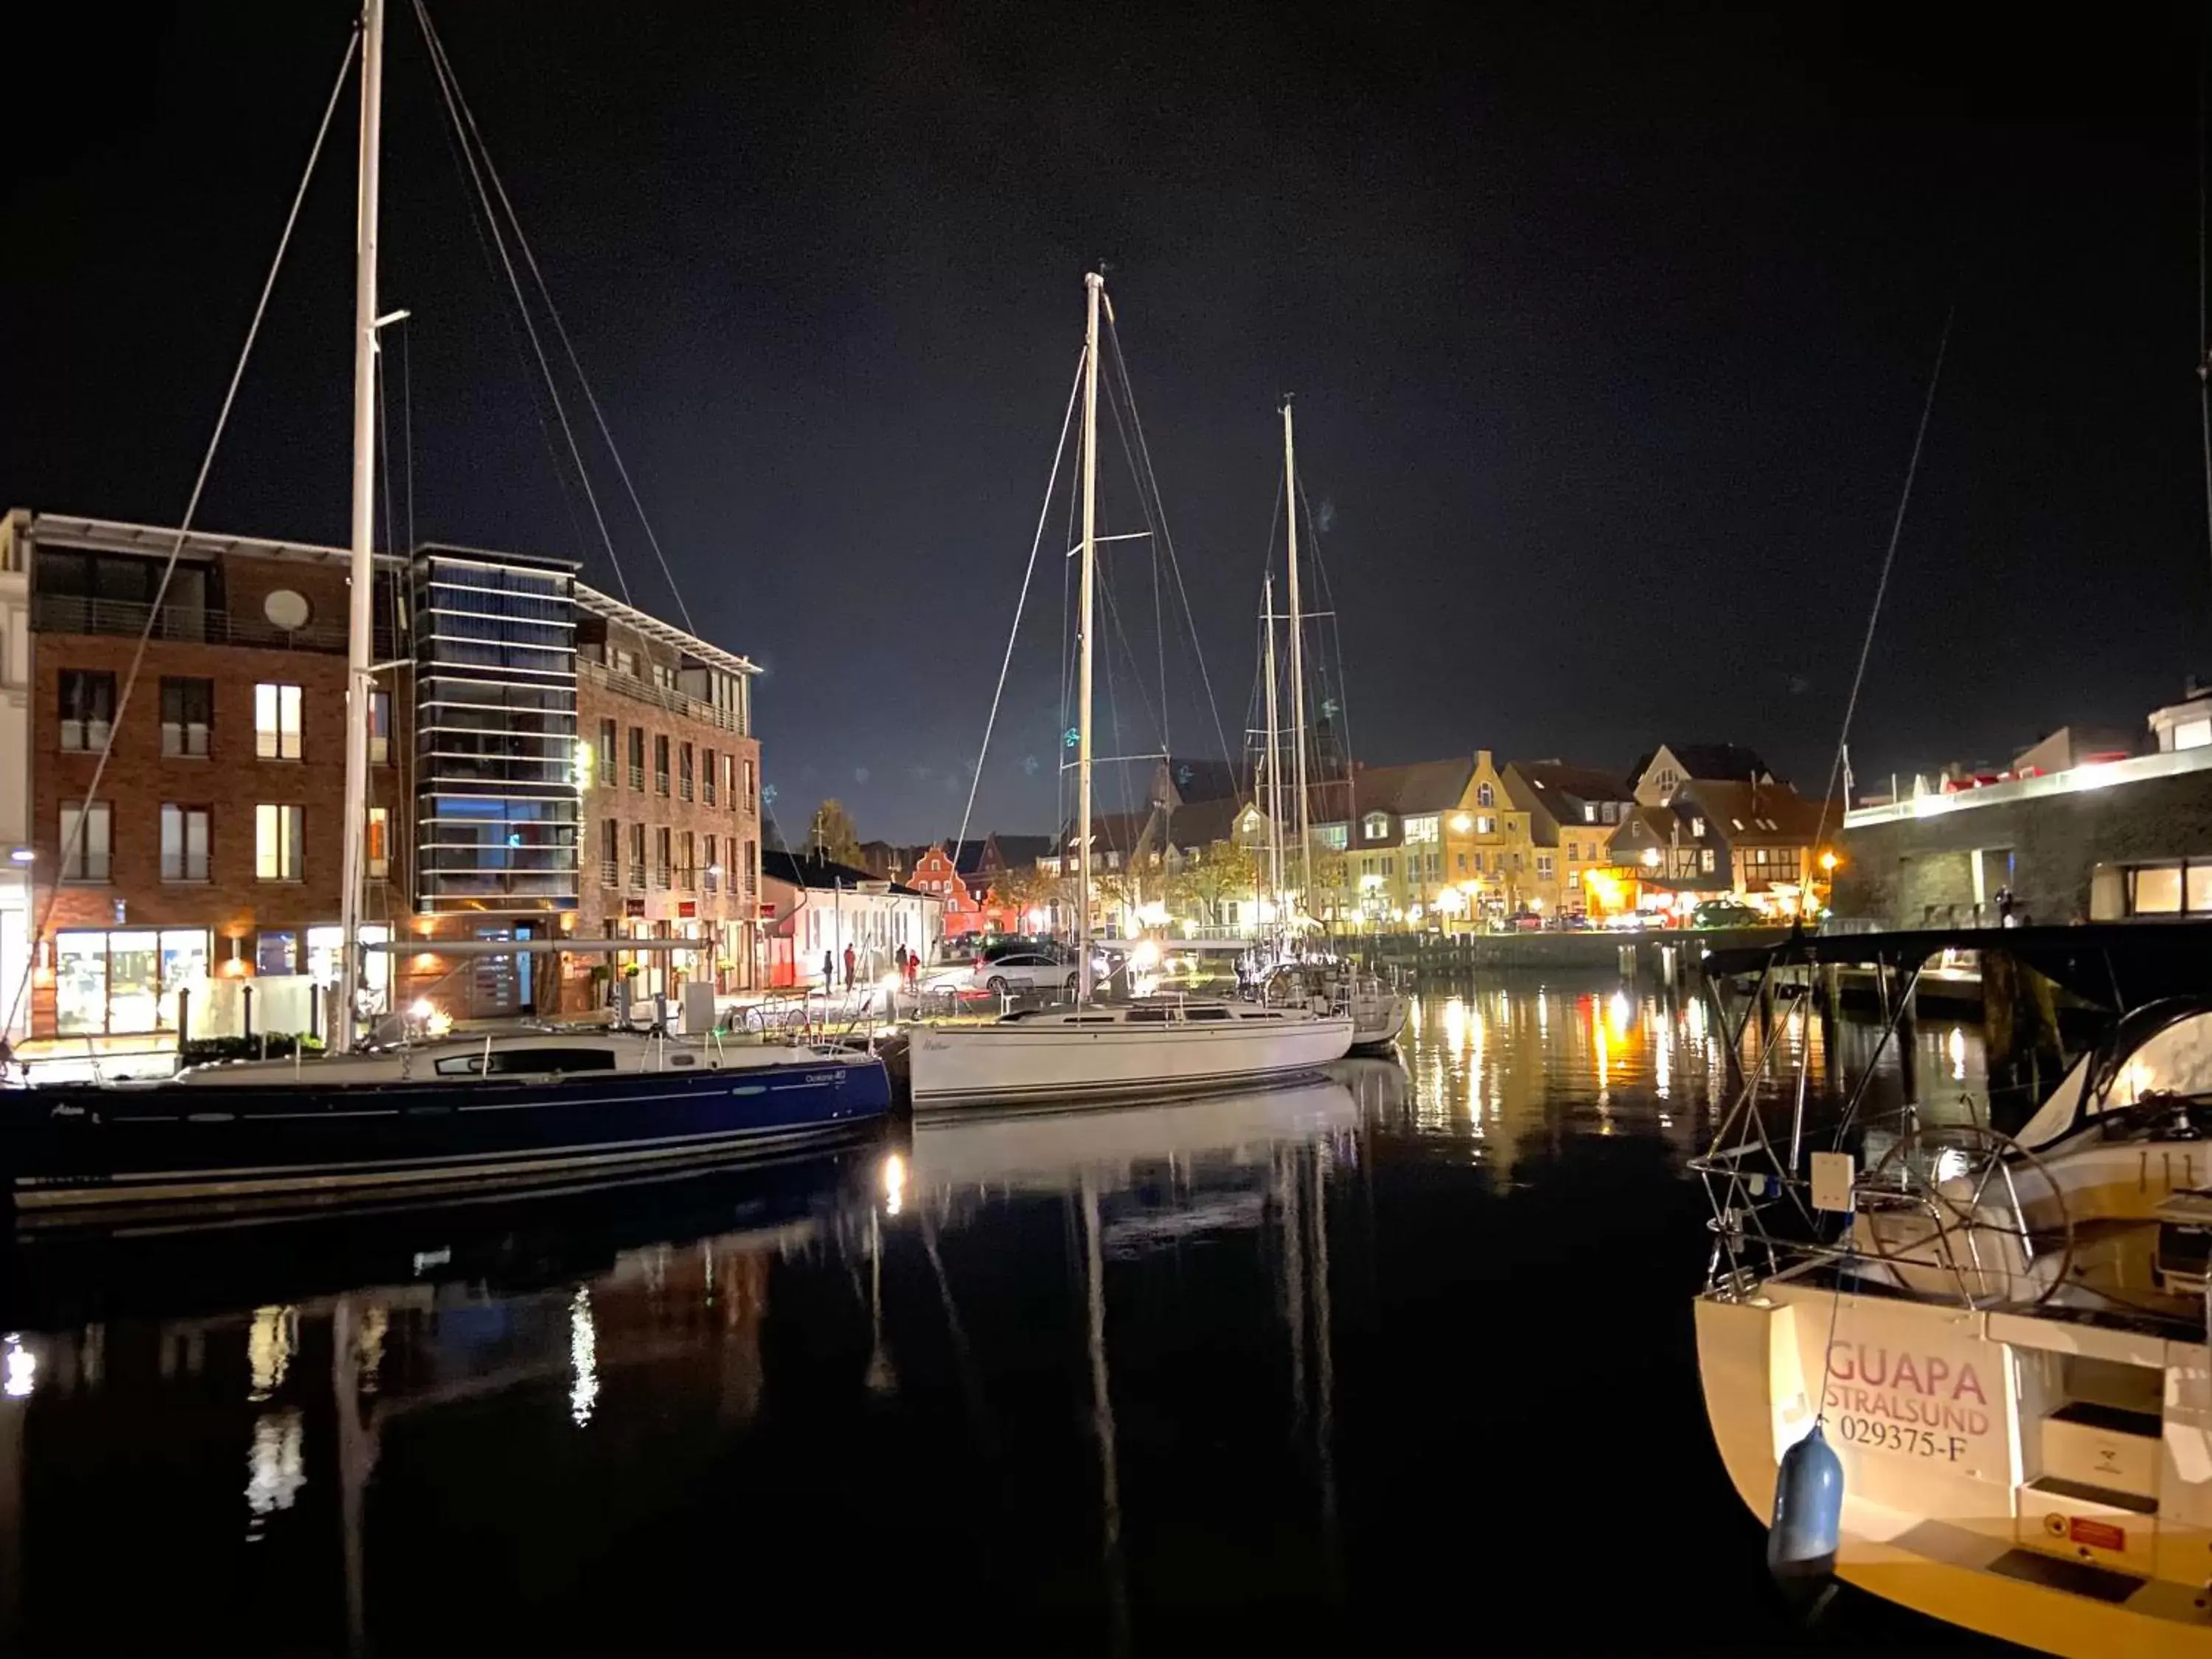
point(1335, 836)
point(1485, 795)
point(1485, 826)
point(1544, 865)
point(1376, 826)
point(1589, 811)
point(1425, 828)
point(1698, 828)
point(276, 722)
point(276, 843)
point(2193, 734)
point(1705, 858)
point(380, 841)
point(85, 847)
point(379, 728)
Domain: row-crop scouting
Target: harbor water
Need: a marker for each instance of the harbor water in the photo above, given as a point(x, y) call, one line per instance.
point(1402, 1360)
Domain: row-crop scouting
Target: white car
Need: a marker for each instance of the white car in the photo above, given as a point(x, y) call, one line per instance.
point(1036, 972)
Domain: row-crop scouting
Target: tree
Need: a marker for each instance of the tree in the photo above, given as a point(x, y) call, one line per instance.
point(1332, 873)
point(1217, 873)
point(1027, 887)
point(831, 834)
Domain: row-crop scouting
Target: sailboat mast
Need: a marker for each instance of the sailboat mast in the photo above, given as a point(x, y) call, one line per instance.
point(1274, 750)
point(1094, 288)
point(1297, 668)
point(361, 606)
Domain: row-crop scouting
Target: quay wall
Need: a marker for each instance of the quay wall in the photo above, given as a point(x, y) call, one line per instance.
point(1541, 953)
point(1918, 871)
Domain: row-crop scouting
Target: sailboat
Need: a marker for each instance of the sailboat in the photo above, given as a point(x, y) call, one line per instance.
point(490, 1109)
point(1091, 1051)
point(1301, 977)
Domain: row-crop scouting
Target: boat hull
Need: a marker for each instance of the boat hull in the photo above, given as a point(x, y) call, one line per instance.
point(1935, 1518)
point(79, 1148)
point(1016, 1061)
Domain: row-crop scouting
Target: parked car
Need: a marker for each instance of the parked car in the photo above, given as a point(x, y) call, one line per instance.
point(1570, 921)
point(1525, 922)
point(1726, 913)
point(1028, 970)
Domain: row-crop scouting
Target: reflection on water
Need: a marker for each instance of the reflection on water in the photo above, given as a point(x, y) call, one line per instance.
point(1332, 1362)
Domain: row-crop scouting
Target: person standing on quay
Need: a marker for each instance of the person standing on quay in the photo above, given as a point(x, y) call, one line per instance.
point(829, 973)
point(850, 960)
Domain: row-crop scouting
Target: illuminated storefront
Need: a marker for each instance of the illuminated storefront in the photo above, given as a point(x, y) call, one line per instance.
point(111, 981)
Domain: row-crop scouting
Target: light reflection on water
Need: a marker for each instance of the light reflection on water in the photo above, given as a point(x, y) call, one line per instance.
point(1099, 1378)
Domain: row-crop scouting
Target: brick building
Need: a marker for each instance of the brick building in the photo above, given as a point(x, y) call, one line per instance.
point(210, 846)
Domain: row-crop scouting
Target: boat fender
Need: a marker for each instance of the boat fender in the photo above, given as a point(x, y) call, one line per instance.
point(1808, 1510)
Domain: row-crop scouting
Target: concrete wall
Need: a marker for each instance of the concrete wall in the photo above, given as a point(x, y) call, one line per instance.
point(1917, 872)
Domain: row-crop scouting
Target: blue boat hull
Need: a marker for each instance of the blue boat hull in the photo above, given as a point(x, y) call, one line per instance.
point(67, 1148)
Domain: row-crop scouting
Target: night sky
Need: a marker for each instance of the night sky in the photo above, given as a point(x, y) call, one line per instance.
point(1608, 327)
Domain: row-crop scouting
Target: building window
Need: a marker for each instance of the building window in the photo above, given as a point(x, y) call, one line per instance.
point(1391, 867)
point(1697, 828)
point(1485, 826)
point(87, 710)
point(687, 872)
point(2170, 890)
point(1375, 826)
point(85, 846)
point(751, 802)
point(1543, 867)
point(1485, 795)
point(112, 983)
point(661, 858)
point(1516, 864)
point(187, 718)
point(1334, 836)
point(183, 842)
point(637, 858)
point(2193, 734)
point(713, 871)
point(609, 736)
point(379, 728)
point(610, 853)
point(276, 722)
point(1424, 828)
point(1589, 811)
point(664, 675)
point(276, 951)
point(623, 662)
point(751, 860)
point(683, 771)
point(659, 763)
point(1705, 858)
point(377, 847)
point(276, 843)
point(706, 779)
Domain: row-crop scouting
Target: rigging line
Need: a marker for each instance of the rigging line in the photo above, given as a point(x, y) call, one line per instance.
point(1052, 482)
point(1149, 478)
point(407, 423)
point(76, 840)
point(2203, 326)
point(529, 387)
point(1888, 561)
point(1336, 652)
point(1136, 668)
point(560, 328)
point(449, 94)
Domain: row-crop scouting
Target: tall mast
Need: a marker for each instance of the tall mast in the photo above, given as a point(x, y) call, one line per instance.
point(1094, 288)
point(361, 606)
point(1297, 668)
point(1274, 751)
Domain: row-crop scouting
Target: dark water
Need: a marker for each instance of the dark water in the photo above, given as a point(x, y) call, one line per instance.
point(1402, 1362)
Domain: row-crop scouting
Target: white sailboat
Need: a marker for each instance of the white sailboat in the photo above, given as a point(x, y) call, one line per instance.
point(1093, 1051)
point(1303, 978)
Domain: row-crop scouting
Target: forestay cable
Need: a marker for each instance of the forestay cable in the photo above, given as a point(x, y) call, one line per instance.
point(75, 839)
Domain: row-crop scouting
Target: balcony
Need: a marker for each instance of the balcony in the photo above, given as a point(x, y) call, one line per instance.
point(610, 873)
point(70, 613)
point(660, 877)
point(637, 875)
point(687, 878)
point(706, 790)
point(637, 777)
point(660, 783)
point(683, 789)
point(628, 685)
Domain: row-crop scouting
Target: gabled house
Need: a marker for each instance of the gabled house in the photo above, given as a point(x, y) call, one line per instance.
point(938, 875)
point(1573, 812)
point(1655, 778)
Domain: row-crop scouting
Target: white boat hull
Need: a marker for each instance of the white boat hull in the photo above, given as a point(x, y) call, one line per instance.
point(1934, 1411)
point(1020, 1059)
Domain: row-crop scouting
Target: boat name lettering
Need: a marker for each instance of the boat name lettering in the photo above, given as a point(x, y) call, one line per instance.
point(821, 1077)
point(1930, 1374)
